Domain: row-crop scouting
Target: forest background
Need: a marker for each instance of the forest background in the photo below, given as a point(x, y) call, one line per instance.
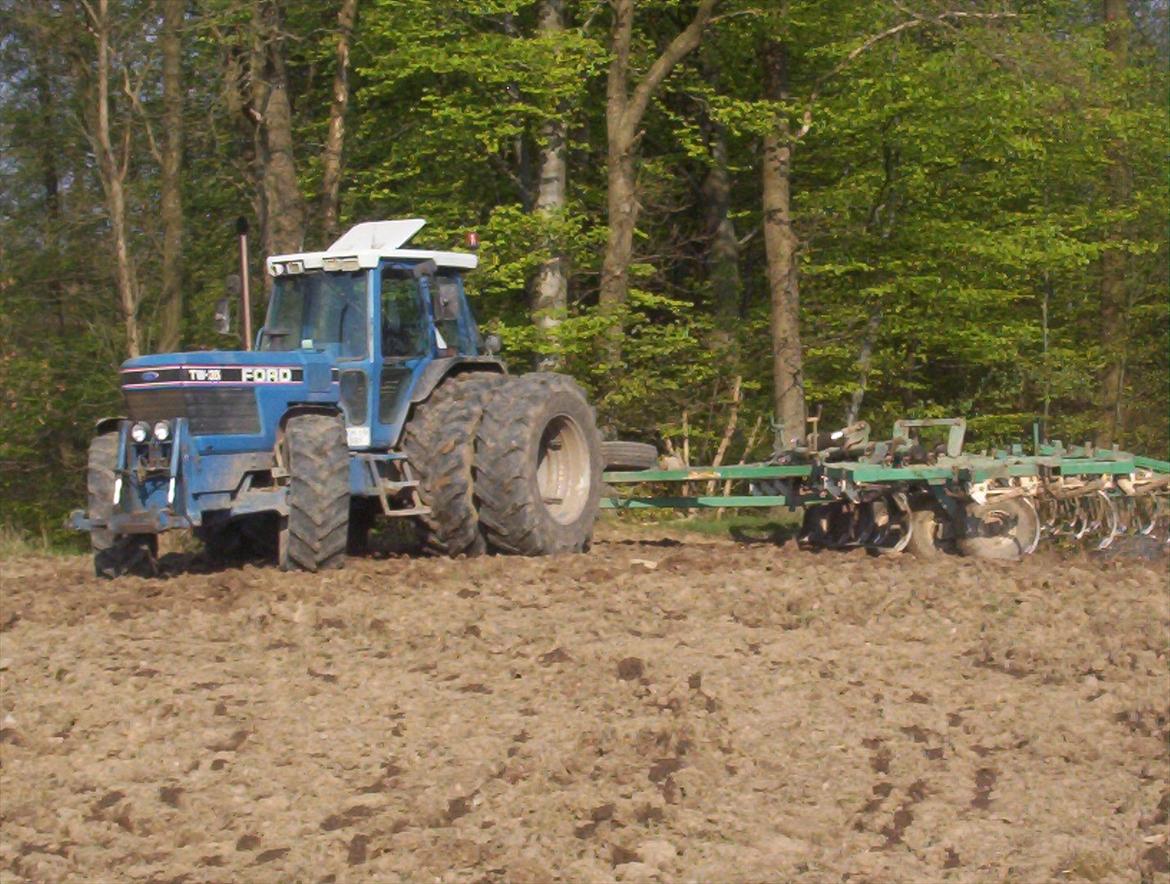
point(713, 214)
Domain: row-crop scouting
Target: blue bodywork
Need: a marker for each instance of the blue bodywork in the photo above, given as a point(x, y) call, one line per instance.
point(226, 410)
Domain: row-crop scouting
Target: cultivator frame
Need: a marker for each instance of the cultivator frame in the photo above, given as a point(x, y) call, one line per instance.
point(894, 495)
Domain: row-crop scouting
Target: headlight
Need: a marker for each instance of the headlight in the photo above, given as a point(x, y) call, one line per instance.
point(162, 431)
point(140, 432)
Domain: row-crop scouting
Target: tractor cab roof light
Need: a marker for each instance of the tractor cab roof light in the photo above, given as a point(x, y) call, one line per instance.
point(346, 262)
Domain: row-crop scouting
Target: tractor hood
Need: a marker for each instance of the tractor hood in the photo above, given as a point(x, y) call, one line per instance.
point(235, 396)
point(229, 368)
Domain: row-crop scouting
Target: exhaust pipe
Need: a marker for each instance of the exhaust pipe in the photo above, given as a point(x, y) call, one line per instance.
point(246, 308)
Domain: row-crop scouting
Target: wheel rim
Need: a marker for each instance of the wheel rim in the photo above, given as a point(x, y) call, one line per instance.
point(562, 469)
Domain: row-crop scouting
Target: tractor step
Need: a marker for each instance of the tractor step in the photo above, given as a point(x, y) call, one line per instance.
point(392, 487)
point(412, 511)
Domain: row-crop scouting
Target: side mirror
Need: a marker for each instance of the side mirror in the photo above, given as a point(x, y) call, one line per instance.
point(445, 301)
point(223, 316)
point(492, 344)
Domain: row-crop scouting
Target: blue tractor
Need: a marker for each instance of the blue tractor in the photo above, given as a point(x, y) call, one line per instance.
point(369, 392)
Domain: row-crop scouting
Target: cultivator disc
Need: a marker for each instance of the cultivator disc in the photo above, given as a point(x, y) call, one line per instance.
point(881, 524)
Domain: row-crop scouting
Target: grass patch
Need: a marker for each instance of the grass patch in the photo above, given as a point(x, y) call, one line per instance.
point(774, 525)
point(15, 542)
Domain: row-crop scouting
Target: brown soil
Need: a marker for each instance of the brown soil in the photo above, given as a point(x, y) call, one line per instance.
point(654, 710)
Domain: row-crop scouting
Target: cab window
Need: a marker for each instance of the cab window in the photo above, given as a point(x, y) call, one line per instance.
point(455, 332)
point(404, 325)
point(317, 310)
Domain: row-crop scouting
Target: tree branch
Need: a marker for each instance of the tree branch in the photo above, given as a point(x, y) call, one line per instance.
point(136, 103)
point(684, 42)
point(942, 18)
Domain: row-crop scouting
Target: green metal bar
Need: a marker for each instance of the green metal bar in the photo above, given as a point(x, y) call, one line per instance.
point(1149, 463)
point(685, 503)
point(869, 472)
point(1095, 468)
point(701, 474)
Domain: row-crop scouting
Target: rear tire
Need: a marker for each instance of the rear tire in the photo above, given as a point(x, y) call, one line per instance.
point(113, 554)
point(629, 456)
point(448, 483)
point(538, 467)
point(425, 433)
point(317, 458)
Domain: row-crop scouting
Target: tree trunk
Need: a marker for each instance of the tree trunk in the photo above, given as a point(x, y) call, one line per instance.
point(283, 217)
point(621, 201)
point(622, 212)
point(171, 313)
point(723, 257)
point(50, 176)
point(624, 111)
point(1113, 259)
point(335, 140)
point(549, 289)
point(869, 338)
point(113, 175)
point(781, 246)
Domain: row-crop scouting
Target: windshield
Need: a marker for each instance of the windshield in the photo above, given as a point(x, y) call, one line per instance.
point(316, 310)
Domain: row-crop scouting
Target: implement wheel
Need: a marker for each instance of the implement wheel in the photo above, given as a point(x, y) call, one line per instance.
point(931, 534)
point(113, 554)
point(1001, 529)
point(538, 467)
point(313, 536)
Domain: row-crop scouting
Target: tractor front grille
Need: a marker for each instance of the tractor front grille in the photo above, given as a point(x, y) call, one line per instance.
point(209, 411)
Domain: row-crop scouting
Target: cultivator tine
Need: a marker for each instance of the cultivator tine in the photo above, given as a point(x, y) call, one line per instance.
point(1102, 518)
point(1101, 512)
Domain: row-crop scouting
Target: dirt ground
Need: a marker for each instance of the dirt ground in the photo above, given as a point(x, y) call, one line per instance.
point(656, 710)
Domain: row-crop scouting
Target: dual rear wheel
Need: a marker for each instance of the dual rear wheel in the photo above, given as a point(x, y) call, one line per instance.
point(509, 464)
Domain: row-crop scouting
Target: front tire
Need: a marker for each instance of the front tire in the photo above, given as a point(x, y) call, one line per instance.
point(113, 554)
point(538, 467)
point(313, 536)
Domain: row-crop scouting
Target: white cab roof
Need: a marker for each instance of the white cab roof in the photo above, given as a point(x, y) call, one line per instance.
point(373, 240)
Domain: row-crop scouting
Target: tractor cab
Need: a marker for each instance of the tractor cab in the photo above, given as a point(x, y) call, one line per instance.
point(391, 321)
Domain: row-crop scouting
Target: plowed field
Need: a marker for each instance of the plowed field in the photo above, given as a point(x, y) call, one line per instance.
point(704, 710)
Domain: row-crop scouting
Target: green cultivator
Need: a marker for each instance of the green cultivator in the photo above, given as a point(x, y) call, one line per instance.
point(897, 494)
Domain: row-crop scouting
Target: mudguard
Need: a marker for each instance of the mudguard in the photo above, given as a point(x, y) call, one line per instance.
point(440, 368)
